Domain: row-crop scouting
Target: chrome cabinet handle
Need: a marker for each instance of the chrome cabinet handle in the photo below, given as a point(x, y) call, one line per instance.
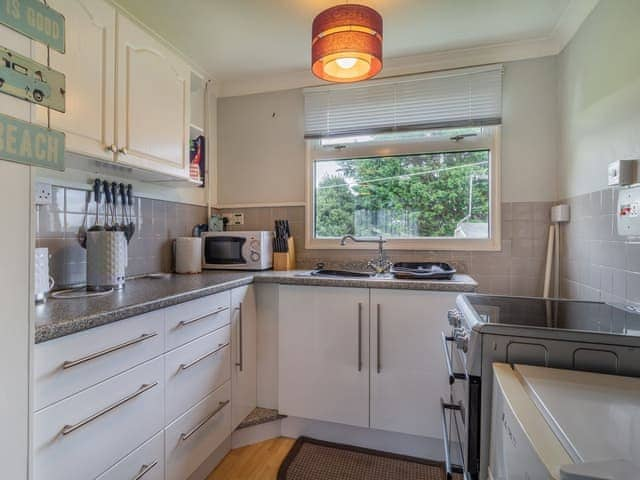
point(184, 323)
point(240, 363)
point(111, 148)
point(378, 339)
point(185, 366)
point(144, 469)
point(67, 429)
point(221, 405)
point(359, 336)
point(453, 376)
point(93, 356)
point(449, 467)
point(123, 150)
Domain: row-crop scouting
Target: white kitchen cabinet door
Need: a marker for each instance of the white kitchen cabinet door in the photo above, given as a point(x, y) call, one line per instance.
point(244, 381)
point(88, 64)
point(323, 347)
point(153, 103)
point(408, 376)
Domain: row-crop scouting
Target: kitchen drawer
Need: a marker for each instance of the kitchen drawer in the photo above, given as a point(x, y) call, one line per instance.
point(195, 370)
point(190, 320)
point(144, 463)
point(196, 434)
point(81, 436)
point(67, 365)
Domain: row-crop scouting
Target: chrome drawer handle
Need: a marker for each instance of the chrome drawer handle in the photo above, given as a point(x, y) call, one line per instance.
point(184, 366)
point(144, 470)
point(359, 336)
point(449, 467)
point(221, 405)
point(67, 429)
point(184, 323)
point(453, 376)
point(93, 356)
point(240, 362)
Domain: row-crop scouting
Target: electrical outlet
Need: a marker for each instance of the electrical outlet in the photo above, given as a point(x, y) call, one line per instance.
point(234, 218)
point(42, 192)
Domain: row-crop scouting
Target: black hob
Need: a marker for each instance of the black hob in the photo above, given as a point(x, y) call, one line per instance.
point(564, 315)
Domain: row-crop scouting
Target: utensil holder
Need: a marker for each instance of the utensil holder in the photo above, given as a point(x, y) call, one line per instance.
point(285, 260)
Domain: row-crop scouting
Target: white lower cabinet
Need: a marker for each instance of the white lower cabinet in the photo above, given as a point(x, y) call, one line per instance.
point(407, 377)
point(370, 358)
point(323, 353)
point(191, 438)
point(244, 381)
point(81, 436)
point(196, 369)
point(145, 463)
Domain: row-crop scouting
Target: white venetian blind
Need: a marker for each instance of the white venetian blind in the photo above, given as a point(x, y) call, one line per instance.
point(454, 98)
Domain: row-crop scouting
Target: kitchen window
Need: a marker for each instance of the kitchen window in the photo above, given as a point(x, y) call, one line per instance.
point(432, 189)
point(415, 159)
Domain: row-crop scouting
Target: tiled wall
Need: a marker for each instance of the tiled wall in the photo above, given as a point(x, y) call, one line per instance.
point(598, 264)
point(157, 222)
point(516, 270)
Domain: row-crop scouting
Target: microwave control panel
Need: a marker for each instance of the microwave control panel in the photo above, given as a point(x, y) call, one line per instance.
point(628, 212)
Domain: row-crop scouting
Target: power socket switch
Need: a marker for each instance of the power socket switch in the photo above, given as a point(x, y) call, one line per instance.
point(42, 192)
point(236, 219)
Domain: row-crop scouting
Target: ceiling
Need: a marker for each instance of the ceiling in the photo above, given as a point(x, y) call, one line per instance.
point(236, 39)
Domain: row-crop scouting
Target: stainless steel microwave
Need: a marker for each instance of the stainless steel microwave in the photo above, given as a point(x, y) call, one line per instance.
point(237, 250)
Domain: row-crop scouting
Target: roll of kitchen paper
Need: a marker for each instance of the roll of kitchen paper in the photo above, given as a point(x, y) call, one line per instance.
point(188, 254)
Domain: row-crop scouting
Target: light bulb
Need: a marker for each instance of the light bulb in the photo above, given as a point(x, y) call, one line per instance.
point(346, 63)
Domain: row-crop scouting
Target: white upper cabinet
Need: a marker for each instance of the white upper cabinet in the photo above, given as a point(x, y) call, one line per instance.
point(89, 67)
point(153, 103)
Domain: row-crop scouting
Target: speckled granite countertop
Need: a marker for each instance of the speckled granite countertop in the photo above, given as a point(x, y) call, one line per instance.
point(57, 318)
point(459, 283)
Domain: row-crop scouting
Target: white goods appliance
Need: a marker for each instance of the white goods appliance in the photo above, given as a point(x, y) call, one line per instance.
point(563, 425)
point(188, 254)
point(43, 282)
point(106, 260)
point(568, 334)
point(237, 250)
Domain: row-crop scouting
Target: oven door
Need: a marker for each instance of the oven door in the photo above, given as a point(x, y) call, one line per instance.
point(461, 414)
point(224, 250)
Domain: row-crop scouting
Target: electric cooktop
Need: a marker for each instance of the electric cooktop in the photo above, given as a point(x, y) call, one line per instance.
point(567, 315)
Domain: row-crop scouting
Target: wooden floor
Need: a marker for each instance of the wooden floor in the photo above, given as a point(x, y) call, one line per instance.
point(254, 462)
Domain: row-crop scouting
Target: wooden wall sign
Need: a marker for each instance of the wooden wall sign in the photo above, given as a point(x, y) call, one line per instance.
point(30, 144)
point(35, 20)
point(29, 80)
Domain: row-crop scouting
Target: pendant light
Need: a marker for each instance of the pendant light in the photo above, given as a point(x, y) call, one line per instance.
point(346, 44)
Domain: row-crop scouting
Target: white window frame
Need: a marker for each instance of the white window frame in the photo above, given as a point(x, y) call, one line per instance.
point(489, 139)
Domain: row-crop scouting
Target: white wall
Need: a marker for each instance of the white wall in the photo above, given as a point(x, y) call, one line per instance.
point(261, 157)
point(599, 93)
point(530, 130)
point(261, 150)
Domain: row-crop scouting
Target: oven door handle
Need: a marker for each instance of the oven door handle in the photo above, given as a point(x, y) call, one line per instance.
point(453, 376)
point(450, 468)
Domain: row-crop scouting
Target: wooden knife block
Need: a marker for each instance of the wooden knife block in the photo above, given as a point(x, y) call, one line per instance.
point(285, 260)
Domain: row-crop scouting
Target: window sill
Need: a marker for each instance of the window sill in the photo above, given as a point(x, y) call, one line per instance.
point(436, 244)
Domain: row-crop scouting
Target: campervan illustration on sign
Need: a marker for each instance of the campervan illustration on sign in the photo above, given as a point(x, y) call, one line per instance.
point(29, 80)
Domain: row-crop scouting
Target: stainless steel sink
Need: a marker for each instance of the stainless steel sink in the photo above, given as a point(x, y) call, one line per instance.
point(340, 273)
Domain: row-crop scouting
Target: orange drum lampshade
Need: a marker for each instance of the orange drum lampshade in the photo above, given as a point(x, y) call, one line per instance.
point(347, 44)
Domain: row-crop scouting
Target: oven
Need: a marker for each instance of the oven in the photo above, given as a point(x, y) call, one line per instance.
point(461, 411)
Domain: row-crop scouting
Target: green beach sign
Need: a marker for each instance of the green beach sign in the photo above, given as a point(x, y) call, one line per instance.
point(30, 144)
point(35, 20)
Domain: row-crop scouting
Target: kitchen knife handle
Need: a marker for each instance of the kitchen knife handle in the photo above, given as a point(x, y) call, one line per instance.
point(123, 195)
point(130, 194)
point(107, 192)
point(96, 190)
